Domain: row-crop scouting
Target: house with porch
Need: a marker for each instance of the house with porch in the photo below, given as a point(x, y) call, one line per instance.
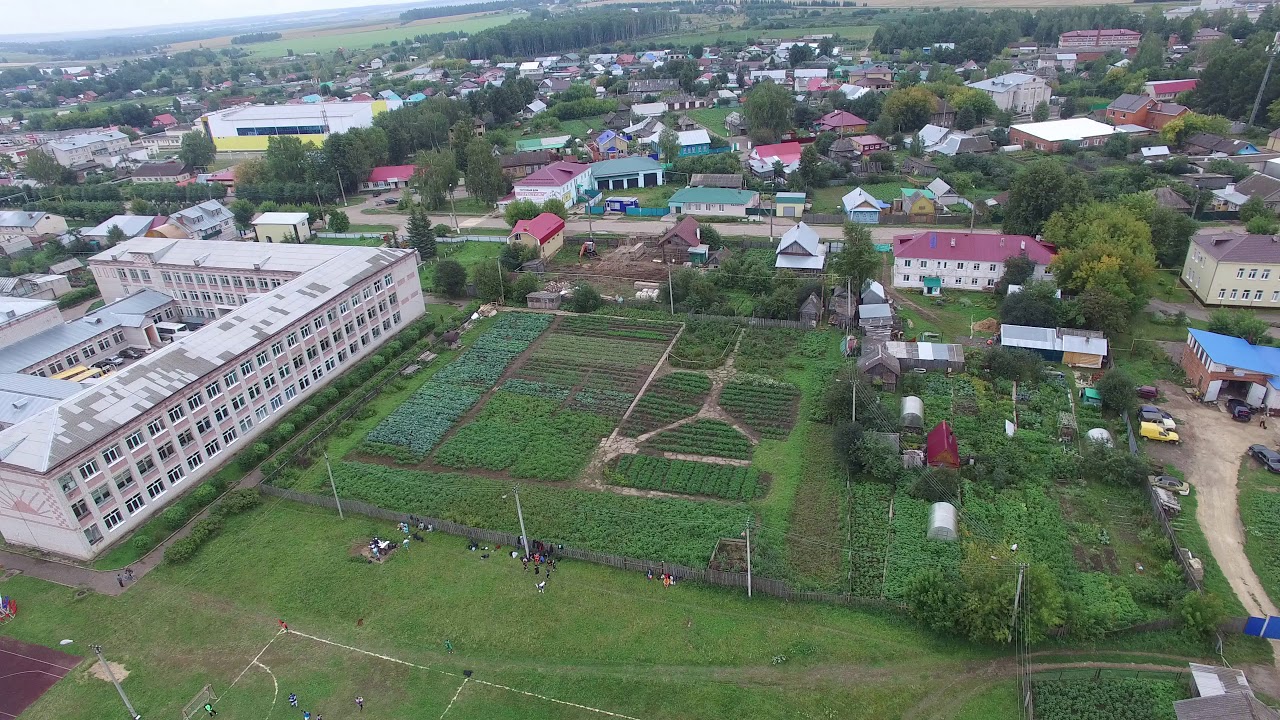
point(861, 207)
point(606, 145)
point(388, 177)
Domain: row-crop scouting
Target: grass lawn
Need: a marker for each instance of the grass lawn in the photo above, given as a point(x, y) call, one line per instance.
point(1260, 513)
point(1192, 537)
point(704, 652)
point(712, 118)
point(827, 199)
point(582, 126)
point(356, 228)
point(996, 702)
point(369, 241)
point(1168, 288)
point(861, 33)
point(953, 317)
point(328, 40)
point(649, 197)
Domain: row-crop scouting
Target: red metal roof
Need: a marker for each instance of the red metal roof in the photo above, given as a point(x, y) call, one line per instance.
point(979, 247)
point(554, 175)
point(841, 119)
point(387, 173)
point(1173, 86)
point(941, 447)
point(543, 227)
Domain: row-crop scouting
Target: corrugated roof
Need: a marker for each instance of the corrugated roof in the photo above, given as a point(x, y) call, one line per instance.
point(1235, 246)
point(724, 196)
point(1026, 336)
point(20, 218)
point(61, 432)
point(126, 312)
point(1232, 706)
point(982, 247)
point(624, 166)
point(225, 256)
point(132, 225)
point(1237, 353)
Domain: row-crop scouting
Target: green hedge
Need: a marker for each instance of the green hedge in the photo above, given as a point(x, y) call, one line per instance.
point(77, 296)
point(236, 502)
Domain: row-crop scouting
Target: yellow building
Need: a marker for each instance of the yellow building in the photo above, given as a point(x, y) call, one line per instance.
point(248, 128)
point(279, 227)
point(789, 204)
point(545, 232)
point(1228, 267)
point(916, 202)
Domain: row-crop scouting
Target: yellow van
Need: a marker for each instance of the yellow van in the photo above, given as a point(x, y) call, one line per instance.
point(1152, 431)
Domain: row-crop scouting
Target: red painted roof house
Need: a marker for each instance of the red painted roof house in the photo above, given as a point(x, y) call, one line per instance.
point(164, 120)
point(842, 122)
point(1168, 89)
point(542, 228)
point(555, 174)
point(389, 177)
point(967, 246)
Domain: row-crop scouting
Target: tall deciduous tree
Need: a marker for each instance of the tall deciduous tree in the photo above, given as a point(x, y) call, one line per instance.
point(1040, 189)
point(42, 168)
point(858, 261)
point(197, 150)
point(669, 144)
point(768, 112)
point(907, 110)
point(450, 278)
point(1102, 246)
point(485, 180)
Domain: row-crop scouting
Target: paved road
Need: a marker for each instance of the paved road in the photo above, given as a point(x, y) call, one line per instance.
point(1196, 311)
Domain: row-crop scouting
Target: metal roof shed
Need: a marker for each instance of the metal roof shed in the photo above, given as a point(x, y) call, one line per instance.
point(942, 522)
point(941, 448)
point(912, 413)
point(875, 315)
point(1040, 340)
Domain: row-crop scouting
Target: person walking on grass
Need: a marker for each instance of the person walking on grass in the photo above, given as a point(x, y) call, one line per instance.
point(360, 702)
point(284, 625)
point(293, 700)
point(448, 647)
point(208, 707)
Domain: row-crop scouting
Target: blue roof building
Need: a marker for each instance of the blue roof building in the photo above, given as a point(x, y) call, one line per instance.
point(1225, 366)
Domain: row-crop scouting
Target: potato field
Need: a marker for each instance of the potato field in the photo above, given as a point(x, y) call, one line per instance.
point(732, 482)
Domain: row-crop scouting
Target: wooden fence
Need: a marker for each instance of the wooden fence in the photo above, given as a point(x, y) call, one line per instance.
point(767, 586)
point(1162, 517)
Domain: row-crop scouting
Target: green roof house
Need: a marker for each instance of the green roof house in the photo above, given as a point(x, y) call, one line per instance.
point(714, 201)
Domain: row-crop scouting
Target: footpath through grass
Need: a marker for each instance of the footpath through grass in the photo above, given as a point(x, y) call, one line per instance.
point(701, 652)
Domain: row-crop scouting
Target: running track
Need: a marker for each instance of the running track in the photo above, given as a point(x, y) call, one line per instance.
point(27, 672)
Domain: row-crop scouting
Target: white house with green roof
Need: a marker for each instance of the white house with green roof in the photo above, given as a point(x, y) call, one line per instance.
point(713, 201)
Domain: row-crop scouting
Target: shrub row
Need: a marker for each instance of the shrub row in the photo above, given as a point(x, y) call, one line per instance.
point(236, 502)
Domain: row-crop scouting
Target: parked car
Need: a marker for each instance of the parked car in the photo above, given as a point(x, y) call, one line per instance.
point(1148, 392)
point(1239, 409)
point(1170, 483)
point(391, 201)
point(1151, 431)
point(1163, 420)
point(132, 353)
point(1265, 455)
point(1154, 409)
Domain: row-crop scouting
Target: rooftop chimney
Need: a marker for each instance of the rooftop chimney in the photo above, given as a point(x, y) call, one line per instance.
point(1023, 245)
point(953, 242)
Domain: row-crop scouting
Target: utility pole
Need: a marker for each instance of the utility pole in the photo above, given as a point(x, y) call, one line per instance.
point(453, 212)
point(340, 188)
point(333, 485)
point(1017, 594)
point(97, 649)
point(670, 292)
point(1257, 100)
point(748, 556)
point(524, 537)
point(502, 283)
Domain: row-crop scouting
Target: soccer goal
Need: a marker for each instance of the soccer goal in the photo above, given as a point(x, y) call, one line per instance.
point(195, 708)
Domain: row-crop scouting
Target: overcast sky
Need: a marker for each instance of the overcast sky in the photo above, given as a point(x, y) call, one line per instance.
point(79, 15)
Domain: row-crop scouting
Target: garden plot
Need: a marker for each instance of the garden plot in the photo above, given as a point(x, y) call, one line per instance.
point(645, 472)
point(713, 438)
point(670, 398)
point(764, 405)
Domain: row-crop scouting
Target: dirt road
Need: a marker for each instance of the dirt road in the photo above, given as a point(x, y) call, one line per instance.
point(1210, 455)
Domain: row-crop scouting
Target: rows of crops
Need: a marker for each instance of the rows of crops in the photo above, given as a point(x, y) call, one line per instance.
point(612, 327)
point(683, 476)
point(670, 398)
point(590, 362)
point(666, 529)
point(703, 437)
point(485, 361)
point(530, 437)
point(1107, 699)
point(762, 404)
point(424, 417)
point(869, 533)
point(704, 344)
point(910, 551)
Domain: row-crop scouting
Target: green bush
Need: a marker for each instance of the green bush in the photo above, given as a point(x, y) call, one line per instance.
point(238, 501)
point(206, 494)
point(181, 551)
point(143, 542)
point(176, 516)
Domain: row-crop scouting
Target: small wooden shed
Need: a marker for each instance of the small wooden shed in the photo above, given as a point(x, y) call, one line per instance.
point(544, 300)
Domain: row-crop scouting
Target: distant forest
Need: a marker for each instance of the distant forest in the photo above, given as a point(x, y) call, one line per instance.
point(255, 38)
point(409, 16)
point(573, 31)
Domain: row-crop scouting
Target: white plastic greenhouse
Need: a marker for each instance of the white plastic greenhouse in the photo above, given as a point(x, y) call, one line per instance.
point(942, 521)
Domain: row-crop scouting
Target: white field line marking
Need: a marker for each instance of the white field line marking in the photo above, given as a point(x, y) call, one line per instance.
point(443, 672)
point(372, 654)
point(560, 702)
point(276, 684)
point(252, 662)
point(455, 698)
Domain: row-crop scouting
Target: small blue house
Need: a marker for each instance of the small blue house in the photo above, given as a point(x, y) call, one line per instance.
point(620, 204)
point(694, 142)
point(861, 207)
point(415, 98)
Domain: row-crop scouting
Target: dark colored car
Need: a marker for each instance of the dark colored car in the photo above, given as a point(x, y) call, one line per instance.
point(1239, 410)
point(391, 201)
point(1148, 392)
point(1265, 455)
point(1155, 410)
